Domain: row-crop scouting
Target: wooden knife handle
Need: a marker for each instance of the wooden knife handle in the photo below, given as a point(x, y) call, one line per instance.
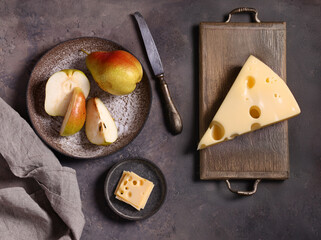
point(175, 123)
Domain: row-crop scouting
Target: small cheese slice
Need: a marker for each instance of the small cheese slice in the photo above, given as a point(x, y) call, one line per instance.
point(133, 190)
point(257, 98)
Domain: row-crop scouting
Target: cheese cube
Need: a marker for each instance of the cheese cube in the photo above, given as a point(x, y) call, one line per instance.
point(257, 98)
point(133, 190)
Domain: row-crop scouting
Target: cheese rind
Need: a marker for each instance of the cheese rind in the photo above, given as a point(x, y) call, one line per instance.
point(257, 98)
point(133, 190)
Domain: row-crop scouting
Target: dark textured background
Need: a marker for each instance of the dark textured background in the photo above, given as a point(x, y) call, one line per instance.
point(193, 209)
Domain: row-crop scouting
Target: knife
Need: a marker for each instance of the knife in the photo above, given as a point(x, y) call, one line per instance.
point(172, 115)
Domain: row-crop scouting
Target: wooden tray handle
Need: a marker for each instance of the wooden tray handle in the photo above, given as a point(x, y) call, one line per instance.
point(243, 193)
point(244, 9)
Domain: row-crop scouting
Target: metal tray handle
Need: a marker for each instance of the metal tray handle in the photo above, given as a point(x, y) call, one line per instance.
point(244, 9)
point(243, 193)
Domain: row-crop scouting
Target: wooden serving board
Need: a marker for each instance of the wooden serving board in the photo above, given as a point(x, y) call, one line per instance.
point(224, 48)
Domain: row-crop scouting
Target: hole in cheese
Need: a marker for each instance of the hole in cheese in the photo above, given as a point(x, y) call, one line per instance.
point(129, 194)
point(217, 130)
point(267, 80)
point(125, 182)
point(234, 135)
point(141, 182)
point(121, 192)
point(250, 82)
point(255, 126)
point(203, 146)
point(255, 112)
point(275, 95)
point(126, 188)
point(134, 182)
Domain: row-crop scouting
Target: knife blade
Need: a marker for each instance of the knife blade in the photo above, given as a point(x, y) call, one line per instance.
point(174, 120)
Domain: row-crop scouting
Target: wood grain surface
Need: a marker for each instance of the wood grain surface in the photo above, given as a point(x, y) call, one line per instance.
point(224, 48)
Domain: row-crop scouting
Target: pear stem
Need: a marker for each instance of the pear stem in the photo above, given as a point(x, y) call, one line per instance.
point(84, 51)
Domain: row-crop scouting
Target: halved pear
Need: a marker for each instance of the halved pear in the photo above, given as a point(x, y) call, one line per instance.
point(100, 126)
point(76, 114)
point(59, 89)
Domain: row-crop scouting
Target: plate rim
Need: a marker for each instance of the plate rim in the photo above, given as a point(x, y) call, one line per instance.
point(146, 162)
point(28, 98)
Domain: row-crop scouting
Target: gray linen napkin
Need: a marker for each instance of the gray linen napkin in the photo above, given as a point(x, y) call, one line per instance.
point(39, 199)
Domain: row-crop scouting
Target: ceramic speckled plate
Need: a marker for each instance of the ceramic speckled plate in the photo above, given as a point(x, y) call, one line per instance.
point(146, 169)
point(130, 111)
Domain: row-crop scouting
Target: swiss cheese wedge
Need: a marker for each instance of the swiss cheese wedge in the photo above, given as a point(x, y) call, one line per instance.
point(257, 98)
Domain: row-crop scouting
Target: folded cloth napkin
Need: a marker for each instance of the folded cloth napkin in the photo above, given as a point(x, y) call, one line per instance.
point(39, 199)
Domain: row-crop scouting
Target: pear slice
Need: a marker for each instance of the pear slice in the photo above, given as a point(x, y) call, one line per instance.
point(76, 114)
point(59, 89)
point(100, 126)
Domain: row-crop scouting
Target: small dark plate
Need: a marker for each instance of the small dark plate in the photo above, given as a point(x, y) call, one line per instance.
point(129, 111)
point(146, 169)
